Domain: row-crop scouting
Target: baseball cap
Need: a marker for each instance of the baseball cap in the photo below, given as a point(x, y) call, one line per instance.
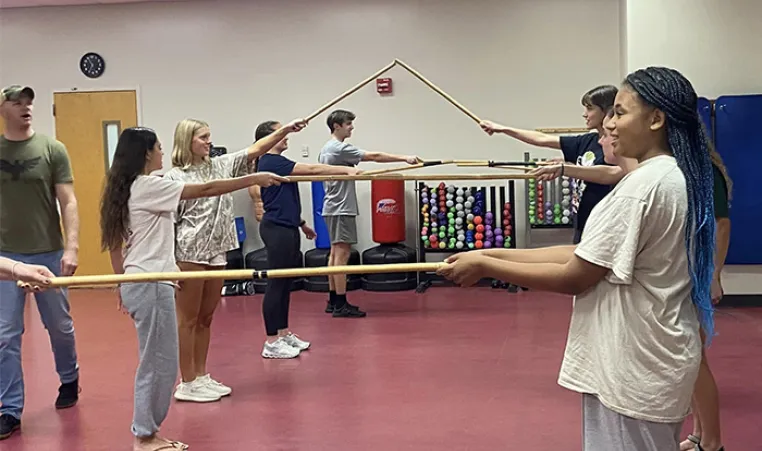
point(14, 92)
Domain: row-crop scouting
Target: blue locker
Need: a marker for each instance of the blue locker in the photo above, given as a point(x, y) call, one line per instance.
point(322, 240)
point(739, 141)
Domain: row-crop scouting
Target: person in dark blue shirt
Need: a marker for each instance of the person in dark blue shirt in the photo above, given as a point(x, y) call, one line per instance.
point(581, 150)
point(279, 211)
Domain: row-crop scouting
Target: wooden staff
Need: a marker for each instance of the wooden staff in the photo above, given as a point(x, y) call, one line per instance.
point(496, 163)
point(439, 91)
point(563, 130)
point(236, 274)
point(407, 168)
point(419, 177)
point(351, 91)
point(497, 166)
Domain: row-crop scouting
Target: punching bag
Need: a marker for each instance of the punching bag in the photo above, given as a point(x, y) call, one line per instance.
point(322, 240)
point(388, 203)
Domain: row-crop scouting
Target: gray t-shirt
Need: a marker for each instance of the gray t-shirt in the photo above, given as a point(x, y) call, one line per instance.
point(340, 197)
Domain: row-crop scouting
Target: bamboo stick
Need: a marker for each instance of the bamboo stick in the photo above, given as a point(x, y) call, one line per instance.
point(563, 130)
point(407, 168)
point(350, 91)
point(420, 177)
point(496, 166)
point(233, 274)
point(439, 91)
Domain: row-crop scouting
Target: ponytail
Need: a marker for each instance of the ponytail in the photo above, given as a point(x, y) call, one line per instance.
point(670, 92)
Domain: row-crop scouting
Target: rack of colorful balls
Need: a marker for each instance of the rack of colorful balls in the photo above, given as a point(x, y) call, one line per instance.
point(549, 203)
point(455, 218)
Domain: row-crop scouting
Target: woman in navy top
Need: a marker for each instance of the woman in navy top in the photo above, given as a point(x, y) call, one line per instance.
point(279, 228)
point(582, 150)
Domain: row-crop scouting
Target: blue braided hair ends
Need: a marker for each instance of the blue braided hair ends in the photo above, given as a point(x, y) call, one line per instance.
point(669, 91)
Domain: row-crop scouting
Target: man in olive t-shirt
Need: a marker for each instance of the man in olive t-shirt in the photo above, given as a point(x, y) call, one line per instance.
point(35, 175)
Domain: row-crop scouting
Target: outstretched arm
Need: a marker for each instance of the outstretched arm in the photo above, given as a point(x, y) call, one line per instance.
point(573, 277)
point(528, 136)
point(323, 169)
point(603, 175)
point(264, 145)
point(382, 157)
point(552, 254)
point(224, 186)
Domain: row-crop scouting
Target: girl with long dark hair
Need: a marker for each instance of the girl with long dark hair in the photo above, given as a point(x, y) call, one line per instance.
point(641, 273)
point(582, 150)
point(137, 228)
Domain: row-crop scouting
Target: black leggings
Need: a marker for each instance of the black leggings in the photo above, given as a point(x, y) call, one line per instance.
point(282, 245)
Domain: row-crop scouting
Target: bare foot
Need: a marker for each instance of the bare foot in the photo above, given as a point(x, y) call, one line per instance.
point(688, 445)
point(175, 443)
point(156, 443)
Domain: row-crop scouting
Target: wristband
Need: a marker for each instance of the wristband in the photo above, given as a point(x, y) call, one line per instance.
point(13, 270)
point(562, 169)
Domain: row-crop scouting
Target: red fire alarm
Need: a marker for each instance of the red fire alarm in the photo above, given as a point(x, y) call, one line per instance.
point(384, 85)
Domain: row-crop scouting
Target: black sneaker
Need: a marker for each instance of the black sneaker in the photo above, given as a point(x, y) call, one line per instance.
point(328, 307)
point(348, 311)
point(68, 395)
point(8, 425)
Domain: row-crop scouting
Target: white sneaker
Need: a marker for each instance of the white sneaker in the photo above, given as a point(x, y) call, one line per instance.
point(295, 342)
point(214, 386)
point(195, 391)
point(279, 349)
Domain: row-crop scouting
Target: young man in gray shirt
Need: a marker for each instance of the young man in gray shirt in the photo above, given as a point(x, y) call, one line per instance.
point(340, 205)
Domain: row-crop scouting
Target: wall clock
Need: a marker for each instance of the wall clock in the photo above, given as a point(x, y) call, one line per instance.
point(92, 65)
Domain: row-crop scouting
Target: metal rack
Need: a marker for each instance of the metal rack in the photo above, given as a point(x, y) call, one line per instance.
point(536, 235)
point(494, 203)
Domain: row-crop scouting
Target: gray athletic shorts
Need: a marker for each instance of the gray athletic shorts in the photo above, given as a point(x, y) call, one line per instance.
point(341, 229)
point(606, 430)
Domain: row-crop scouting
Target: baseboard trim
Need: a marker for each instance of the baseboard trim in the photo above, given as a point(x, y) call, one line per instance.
point(741, 300)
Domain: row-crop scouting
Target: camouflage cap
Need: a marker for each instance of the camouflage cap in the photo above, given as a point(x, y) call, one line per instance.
point(14, 92)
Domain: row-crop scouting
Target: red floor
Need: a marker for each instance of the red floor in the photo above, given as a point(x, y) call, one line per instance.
point(451, 369)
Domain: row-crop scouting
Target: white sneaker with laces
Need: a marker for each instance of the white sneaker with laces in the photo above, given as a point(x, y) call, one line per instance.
point(295, 342)
point(214, 386)
point(279, 349)
point(195, 392)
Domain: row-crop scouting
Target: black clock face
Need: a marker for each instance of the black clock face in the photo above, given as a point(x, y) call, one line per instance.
point(92, 65)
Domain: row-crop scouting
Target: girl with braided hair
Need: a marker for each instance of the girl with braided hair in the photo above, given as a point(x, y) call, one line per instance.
point(705, 405)
point(641, 273)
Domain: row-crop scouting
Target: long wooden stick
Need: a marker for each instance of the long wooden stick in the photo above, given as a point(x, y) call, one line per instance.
point(421, 177)
point(351, 91)
point(407, 168)
point(438, 90)
point(563, 130)
point(234, 274)
point(496, 166)
point(496, 163)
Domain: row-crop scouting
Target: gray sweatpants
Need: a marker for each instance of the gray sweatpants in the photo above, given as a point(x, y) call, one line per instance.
point(606, 430)
point(152, 308)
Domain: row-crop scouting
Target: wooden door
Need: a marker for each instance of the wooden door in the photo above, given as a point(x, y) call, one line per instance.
point(89, 124)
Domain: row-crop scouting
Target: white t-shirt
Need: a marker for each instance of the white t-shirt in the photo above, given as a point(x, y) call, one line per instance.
point(151, 242)
point(634, 336)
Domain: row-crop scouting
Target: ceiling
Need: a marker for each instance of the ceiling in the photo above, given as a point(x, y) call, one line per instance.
point(32, 3)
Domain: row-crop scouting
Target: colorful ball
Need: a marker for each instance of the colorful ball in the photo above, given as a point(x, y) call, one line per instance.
point(479, 244)
point(487, 244)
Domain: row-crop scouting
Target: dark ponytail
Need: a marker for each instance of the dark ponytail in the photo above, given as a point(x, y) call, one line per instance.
point(670, 92)
point(129, 162)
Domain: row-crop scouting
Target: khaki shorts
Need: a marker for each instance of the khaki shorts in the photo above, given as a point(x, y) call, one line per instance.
point(341, 229)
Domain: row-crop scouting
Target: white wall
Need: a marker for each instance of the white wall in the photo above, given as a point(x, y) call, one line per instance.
point(715, 43)
point(236, 63)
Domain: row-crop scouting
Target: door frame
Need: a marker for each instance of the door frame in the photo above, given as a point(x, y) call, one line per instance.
point(136, 88)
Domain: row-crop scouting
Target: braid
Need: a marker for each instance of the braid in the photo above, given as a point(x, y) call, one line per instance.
point(670, 92)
